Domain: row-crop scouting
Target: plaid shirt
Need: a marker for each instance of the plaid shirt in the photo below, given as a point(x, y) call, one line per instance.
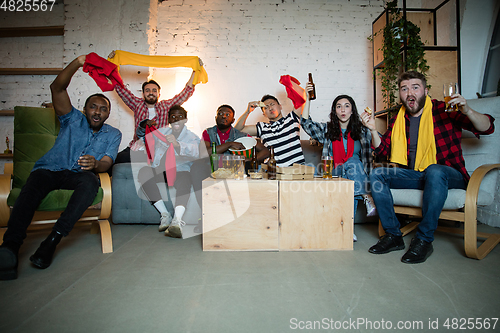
point(448, 133)
point(140, 108)
point(317, 131)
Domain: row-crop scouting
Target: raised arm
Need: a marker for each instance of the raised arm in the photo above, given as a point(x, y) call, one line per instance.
point(190, 81)
point(307, 105)
point(60, 97)
point(240, 124)
point(480, 121)
point(368, 120)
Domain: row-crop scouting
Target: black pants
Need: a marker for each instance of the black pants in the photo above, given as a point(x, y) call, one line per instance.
point(148, 178)
point(128, 156)
point(200, 169)
point(39, 183)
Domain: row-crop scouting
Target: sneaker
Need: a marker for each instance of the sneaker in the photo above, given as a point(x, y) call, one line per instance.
point(371, 210)
point(354, 238)
point(175, 228)
point(165, 220)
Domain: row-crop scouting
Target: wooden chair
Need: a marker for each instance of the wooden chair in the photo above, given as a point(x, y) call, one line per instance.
point(35, 131)
point(482, 159)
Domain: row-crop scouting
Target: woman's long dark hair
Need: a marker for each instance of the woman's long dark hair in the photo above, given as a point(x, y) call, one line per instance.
point(355, 126)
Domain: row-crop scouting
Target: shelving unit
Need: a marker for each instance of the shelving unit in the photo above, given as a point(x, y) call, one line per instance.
point(27, 32)
point(31, 32)
point(57, 30)
point(5, 113)
point(439, 30)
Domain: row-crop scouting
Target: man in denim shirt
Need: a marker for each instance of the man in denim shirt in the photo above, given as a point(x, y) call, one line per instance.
point(85, 146)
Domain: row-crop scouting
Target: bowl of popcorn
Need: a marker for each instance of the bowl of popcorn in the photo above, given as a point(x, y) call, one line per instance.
point(228, 167)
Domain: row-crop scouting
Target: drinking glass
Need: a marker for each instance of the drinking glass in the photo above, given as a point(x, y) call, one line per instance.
point(450, 89)
point(327, 166)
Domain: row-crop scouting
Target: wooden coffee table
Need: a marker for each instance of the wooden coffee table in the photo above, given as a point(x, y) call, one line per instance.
point(278, 215)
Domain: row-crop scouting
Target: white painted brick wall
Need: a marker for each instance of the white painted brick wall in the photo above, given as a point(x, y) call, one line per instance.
point(247, 45)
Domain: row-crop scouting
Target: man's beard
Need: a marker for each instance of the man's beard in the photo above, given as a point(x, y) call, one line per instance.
point(223, 126)
point(419, 104)
point(151, 99)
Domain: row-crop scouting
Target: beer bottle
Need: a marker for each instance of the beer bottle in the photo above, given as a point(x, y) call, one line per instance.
point(254, 164)
point(312, 93)
point(213, 157)
point(271, 166)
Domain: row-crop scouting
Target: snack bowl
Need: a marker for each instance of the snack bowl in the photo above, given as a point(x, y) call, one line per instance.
point(254, 174)
point(249, 143)
point(229, 167)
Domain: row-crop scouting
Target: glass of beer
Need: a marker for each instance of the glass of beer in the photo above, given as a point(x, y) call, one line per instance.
point(450, 89)
point(327, 166)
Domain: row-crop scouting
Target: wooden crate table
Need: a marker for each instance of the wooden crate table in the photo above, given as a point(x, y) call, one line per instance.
point(240, 215)
point(278, 215)
point(316, 214)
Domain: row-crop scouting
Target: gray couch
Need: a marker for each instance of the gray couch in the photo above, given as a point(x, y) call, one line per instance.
point(131, 207)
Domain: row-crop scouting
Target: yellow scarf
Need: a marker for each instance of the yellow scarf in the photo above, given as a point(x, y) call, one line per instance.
point(426, 145)
point(129, 58)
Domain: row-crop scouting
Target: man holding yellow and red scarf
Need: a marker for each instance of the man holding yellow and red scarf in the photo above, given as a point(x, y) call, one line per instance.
point(425, 141)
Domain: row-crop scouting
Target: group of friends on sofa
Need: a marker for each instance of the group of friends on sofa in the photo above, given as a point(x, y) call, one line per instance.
point(422, 138)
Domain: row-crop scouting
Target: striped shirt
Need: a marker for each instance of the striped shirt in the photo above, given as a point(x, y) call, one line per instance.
point(140, 108)
point(284, 136)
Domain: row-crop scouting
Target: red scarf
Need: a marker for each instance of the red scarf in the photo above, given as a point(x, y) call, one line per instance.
point(170, 167)
point(339, 154)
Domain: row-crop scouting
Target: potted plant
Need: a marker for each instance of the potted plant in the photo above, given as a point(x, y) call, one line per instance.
point(402, 50)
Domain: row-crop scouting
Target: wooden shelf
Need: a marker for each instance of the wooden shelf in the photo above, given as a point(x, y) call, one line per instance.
point(6, 156)
point(30, 71)
point(6, 113)
point(57, 30)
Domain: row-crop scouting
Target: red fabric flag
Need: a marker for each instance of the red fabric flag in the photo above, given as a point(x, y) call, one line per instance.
point(293, 90)
point(104, 72)
point(170, 167)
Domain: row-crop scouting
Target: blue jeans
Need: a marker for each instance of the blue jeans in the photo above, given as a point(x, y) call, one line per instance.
point(434, 181)
point(39, 183)
point(352, 169)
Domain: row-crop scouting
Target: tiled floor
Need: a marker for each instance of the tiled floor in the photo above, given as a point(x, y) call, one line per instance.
point(152, 283)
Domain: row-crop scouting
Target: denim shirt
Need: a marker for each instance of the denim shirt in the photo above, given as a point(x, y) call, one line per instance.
point(75, 139)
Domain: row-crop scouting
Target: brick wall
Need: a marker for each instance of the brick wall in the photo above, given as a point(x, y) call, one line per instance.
point(247, 45)
point(19, 52)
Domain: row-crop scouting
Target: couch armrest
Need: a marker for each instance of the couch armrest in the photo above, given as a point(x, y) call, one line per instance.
point(106, 199)
point(5, 184)
point(470, 212)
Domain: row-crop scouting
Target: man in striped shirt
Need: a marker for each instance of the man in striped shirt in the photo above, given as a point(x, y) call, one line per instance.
point(281, 132)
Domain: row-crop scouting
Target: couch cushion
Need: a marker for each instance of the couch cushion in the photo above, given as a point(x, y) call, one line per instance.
point(455, 199)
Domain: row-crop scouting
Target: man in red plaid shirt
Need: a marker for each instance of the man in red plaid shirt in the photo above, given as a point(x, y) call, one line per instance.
point(148, 107)
point(433, 170)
